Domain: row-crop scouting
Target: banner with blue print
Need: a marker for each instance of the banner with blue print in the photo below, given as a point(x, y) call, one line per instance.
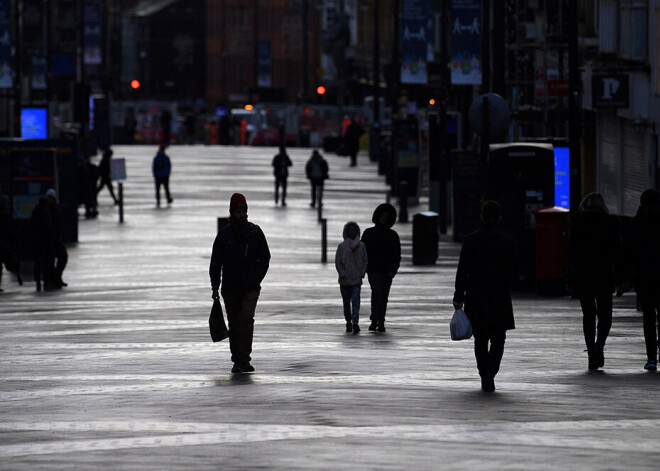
point(466, 42)
point(416, 38)
point(6, 66)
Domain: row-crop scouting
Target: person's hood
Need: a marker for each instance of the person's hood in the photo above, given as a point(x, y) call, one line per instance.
point(388, 208)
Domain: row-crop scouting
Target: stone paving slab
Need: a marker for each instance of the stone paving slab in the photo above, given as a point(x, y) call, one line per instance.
point(117, 371)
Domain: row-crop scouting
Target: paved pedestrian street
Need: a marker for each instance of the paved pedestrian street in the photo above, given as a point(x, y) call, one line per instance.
point(118, 371)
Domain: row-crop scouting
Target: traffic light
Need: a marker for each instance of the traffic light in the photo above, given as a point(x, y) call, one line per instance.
point(320, 90)
point(135, 84)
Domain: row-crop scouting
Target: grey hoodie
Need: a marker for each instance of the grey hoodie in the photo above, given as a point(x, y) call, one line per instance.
point(351, 259)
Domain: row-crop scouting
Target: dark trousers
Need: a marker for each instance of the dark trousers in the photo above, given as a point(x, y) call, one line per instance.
point(105, 181)
point(596, 305)
point(50, 262)
point(351, 295)
point(165, 182)
point(317, 186)
point(353, 155)
point(240, 316)
point(489, 359)
point(280, 182)
point(380, 291)
point(650, 302)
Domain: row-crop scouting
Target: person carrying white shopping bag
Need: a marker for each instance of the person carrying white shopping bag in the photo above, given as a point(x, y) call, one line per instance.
point(486, 267)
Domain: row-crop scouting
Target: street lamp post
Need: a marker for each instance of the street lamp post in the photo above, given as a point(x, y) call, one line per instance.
point(374, 139)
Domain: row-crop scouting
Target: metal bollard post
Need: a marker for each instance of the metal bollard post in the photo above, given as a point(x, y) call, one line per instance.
point(403, 195)
point(319, 207)
point(121, 202)
point(324, 240)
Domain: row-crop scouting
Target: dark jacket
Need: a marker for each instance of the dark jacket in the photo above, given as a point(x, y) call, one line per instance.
point(594, 252)
point(281, 164)
point(352, 137)
point(316, 168)
point(641, 245)
point(240, 258)
point(161, 166)
point(487, 265)
point(383, 244)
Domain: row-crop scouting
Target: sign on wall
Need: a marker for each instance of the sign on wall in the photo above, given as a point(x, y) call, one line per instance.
point(610, 91)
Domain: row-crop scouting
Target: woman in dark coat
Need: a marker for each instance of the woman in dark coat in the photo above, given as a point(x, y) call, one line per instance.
point(384, 255)
point(594, 255)
point(104, 175)
point(487, 265)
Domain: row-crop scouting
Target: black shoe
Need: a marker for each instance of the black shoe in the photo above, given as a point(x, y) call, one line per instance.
point(283, 203)
point(488, 384)
point(651, 366)
point(62, 283)
point(356, 329)
point(349, 327)
point(243, 368)
point(381, 327)
point(600, 357)
point(373, 326)
point(170, 201)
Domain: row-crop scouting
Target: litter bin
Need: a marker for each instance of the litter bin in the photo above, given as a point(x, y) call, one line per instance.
point(551, 249)
point(425, 238)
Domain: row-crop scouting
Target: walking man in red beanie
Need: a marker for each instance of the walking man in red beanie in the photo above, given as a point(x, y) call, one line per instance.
point(240, 260)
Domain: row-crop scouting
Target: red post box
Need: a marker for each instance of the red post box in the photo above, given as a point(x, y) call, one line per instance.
point(551, 249)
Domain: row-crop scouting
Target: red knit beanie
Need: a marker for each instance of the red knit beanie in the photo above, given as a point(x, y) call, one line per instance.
point(237, 201)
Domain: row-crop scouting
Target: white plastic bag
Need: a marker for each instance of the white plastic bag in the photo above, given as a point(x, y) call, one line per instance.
point(460, 327)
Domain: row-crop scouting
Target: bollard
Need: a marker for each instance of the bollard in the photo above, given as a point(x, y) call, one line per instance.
point(121, 202)
point(324, 240)
point(403, 201)
point(319, 207)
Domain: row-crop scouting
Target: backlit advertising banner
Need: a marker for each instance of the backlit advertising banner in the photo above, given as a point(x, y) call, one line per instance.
point(416, 34)
point(93, 51)
point(6, 69)
point(466, 42)
point(263, 77)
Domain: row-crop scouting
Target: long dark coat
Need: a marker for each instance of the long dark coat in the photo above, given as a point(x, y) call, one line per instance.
point(240, 259)
point(486, 267)
point(594, 252)
point(642, 250)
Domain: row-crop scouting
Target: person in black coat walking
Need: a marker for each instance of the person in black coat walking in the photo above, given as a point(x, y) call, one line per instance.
point(352, 140)
point(594, 256)
point(384, 255)
point(486, 267)
point(104, 175)
point(281, 164)
point(316, 171)
point(240, 259)
point(642, 257)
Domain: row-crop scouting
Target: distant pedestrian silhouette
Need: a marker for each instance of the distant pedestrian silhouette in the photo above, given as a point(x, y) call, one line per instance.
point(486, 268)
point(166, 126)
point(384, 255)
point(316, 170)
point(161, 168)
point(641, 245)
point(104, 175)
point(8, 250)
point(281, 163)
point(351, 264)
point(352, 140)
point(50, 254)
point(594, 251)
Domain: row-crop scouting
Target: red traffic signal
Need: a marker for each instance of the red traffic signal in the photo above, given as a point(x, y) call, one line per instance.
point(320, 90)
point(135, 84)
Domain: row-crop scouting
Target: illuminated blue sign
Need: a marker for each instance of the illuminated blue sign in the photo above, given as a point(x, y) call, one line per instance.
point(562, 178)
point(34, 123)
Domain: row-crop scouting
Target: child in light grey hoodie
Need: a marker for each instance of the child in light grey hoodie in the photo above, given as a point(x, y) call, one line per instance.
point(351, 264)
